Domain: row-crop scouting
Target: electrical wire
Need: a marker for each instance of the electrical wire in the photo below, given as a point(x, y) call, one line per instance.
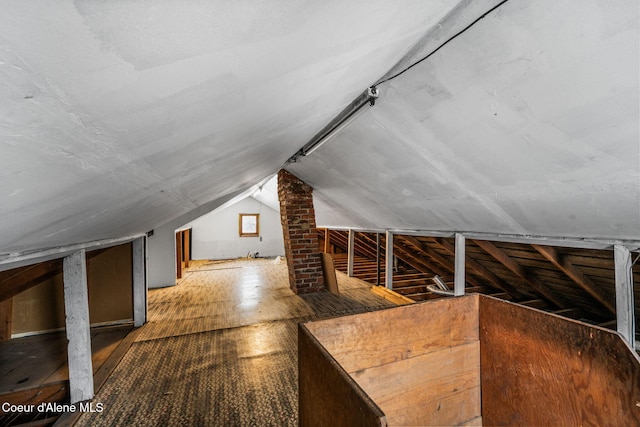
point(443, 44)
point(301, 153)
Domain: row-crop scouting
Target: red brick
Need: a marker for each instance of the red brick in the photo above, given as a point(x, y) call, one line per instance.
point(300, 234)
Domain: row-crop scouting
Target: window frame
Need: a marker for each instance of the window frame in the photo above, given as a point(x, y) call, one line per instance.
point(241, 232)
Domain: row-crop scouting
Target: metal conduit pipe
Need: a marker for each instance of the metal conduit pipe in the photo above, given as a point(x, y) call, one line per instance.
point(436, 290)
point(440, 287)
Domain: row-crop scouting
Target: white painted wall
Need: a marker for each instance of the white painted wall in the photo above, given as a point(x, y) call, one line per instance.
point(161, 249)
point(215, 235)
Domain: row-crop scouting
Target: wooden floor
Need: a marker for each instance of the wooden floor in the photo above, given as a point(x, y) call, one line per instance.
point(34, 369)
point(221, 348)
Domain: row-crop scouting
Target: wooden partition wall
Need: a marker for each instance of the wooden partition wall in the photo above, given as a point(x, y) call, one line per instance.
point(541, 369)
point(427, 363)
point(420, 367)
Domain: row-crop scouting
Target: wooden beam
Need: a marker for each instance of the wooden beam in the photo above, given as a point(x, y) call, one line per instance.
point(76, 306)
point(6, 314)
point(576, 275)
point(179, 255)
point(572, 313)
point(388, 281)
point(327, 241)
point(459, 282)
point(365, 245)
point(624, 294)
point(392, 296)
point(377, 259)
point(20, 279)
point(62, 251)
point(139, 282)
point(520, 271)
point(535, 303)
point(403, 253)
point(445, 268)
point(341, 239)
point(351, 251)
point(449, 268)
point(481, 271)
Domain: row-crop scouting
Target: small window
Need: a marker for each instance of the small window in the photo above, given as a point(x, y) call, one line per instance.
point(249, 225)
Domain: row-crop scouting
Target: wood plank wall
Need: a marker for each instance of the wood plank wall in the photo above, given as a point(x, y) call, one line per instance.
point(327, 396)
point(6, 315)
point(420, 363)
point(540, 369)
point(40, 307)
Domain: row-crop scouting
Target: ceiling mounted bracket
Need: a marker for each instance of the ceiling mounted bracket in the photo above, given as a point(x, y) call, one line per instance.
point(346, 116)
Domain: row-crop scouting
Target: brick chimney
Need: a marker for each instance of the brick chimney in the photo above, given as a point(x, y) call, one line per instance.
point(300, 234)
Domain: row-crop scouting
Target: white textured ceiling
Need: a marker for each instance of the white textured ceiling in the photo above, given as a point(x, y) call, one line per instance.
point(527, 124)
point(116, 117)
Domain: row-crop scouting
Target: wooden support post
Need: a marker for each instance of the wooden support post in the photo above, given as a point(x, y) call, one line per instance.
point(351, 252)
point(624, 294)
point(76, 305)
point(327, 241)
point(459, 275)
point(179, 255)
point(139, 282)
point(477, 268)
point(389, 261)
point(6, 314)
point(377, 259)
point(187, 247)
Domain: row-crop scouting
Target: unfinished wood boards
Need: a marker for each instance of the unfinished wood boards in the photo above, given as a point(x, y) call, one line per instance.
point(392, 296)
point(387, 336)
point(329, 271)
point(576, 275)
point(17, 280)
point(34, 369)
point(540, 369)
point(419, 363)
point(441, 388)
point(6, 314)
point(520, 271)
point(477, 359)
point(58, 393)
point(565, 277)
point(327, 396)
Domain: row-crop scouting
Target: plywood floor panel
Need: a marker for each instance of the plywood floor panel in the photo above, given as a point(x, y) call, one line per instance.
point(42, 359)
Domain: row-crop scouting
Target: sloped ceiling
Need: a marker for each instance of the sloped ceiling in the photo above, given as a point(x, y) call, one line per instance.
point(527, 123)
point(116, 117)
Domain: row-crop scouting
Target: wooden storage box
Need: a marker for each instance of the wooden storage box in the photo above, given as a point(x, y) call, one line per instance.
point(465, 361)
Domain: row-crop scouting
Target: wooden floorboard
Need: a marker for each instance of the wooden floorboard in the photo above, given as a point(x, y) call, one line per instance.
point(35, 370)
point(220, 348)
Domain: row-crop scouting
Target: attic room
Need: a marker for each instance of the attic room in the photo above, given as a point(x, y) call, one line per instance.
point(443, 206)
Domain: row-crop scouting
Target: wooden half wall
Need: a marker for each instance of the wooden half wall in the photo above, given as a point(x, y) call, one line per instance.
point(327, 395)
point(472, 360)
point(541, 369)
point(40, 307)
point(419, 363)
